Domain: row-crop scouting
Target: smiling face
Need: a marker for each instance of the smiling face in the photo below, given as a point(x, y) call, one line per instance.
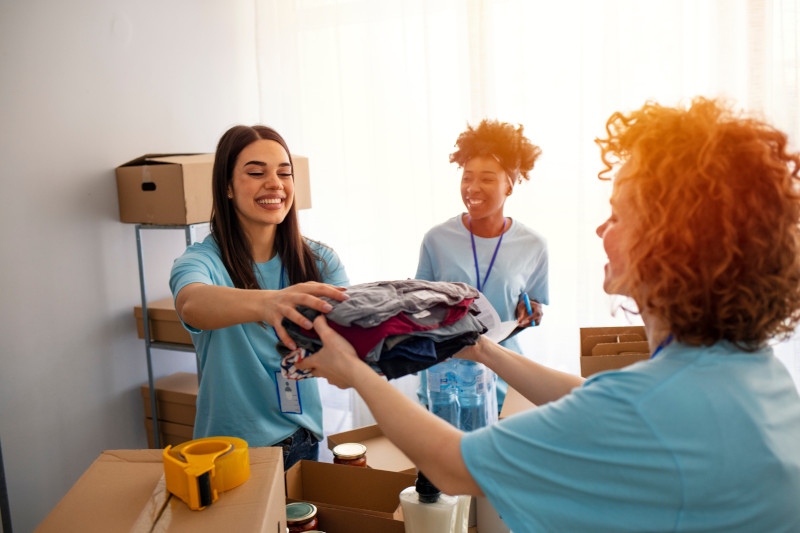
point(617, 233)
point(262, 185)
point(484, 187)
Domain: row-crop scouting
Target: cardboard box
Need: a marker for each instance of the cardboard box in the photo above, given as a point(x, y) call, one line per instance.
point(515, 403)
point(176, 398)
point(343, 521)
point(169, 433)
point(167, 189)
point(363, 490)
point(124, 490)
point(165, 326)
point(381, 453)
point(610, 348)
point(175, 189)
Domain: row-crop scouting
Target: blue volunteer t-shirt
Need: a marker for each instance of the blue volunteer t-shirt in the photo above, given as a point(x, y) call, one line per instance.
point(697, 439)
point(238, 394)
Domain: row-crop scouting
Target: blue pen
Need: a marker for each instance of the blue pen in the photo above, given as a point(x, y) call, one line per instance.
point(527, 304)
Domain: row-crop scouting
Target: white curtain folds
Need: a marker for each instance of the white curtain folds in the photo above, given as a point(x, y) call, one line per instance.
point(375, 93)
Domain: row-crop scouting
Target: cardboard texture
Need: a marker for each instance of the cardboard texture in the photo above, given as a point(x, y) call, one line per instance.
point(168, 189)
point(350, 488)
point(175, 189)
point(165, 325)
point(515, 403)
point(123, 490)
point(610, 348)
point(343, 521)
point(381, 453)
point(176, 397)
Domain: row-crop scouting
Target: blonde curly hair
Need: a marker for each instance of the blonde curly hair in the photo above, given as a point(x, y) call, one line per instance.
point(717, 255)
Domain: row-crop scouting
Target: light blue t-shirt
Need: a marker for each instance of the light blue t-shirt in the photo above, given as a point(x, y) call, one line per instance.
point(238, 395)
point(521, 267)
point(697, 439)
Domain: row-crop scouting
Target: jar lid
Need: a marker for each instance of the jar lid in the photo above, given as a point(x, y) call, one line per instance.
point(299, 511)
point(349, 450)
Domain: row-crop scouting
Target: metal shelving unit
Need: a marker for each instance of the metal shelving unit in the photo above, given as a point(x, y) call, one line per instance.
point(190, 233)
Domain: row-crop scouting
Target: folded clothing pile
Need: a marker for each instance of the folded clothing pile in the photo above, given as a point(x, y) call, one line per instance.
point(397, 327)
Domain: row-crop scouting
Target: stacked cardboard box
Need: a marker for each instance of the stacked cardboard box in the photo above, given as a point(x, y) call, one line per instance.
point(610, 348)
point(176, 397)
point(124, 490)
point(165, 326)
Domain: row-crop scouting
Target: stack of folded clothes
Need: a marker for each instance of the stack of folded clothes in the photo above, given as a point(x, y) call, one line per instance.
point(397, 327)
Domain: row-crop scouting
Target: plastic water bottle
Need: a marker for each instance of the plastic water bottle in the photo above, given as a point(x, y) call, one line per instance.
point(477, 399)
point(443, 391)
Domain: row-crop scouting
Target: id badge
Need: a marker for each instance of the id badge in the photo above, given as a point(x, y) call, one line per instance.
point(288, 395)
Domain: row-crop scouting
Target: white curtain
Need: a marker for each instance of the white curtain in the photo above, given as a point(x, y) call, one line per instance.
point(376, 92)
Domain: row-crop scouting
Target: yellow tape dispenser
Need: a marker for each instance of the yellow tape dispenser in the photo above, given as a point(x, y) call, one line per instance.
point(198, 470)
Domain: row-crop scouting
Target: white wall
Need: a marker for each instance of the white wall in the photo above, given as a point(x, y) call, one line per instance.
point(84, 86)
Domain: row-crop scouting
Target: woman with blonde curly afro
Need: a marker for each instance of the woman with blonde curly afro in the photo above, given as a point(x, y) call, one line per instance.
point(498, 255)
point(704, 238)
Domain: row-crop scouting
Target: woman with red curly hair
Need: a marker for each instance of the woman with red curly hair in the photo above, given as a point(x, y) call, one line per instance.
point(500, 256)
point(704, 238)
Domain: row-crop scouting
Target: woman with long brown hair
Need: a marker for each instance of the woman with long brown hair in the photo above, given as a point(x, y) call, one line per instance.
point(233, 290)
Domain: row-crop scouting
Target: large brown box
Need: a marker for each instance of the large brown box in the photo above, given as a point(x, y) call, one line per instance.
point(515, 403)
point(611, 348)
point(176, 398)
point(124, 491)
point(165, 326)
point(166, 189)
point(381, 453)
point(350, 488)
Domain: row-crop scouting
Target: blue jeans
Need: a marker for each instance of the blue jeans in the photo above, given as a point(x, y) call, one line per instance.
point(302, 444)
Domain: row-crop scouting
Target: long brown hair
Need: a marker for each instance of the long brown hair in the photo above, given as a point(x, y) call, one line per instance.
point(296, 256)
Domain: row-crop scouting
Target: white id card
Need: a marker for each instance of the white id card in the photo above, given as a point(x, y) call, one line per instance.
point(288, 395)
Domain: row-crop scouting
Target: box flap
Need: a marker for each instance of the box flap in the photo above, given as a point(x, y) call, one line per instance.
point(381, 453)
point(141, 160)
point(367, 490)
point(335, 520)
point(616, 348)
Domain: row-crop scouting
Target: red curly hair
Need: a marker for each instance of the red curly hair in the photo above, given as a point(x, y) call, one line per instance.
point(515, 153)
point(717, 253)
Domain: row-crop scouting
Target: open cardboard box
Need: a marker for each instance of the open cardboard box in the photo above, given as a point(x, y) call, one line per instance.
point(176, 397)
point(168, 189)
point(165, 325)
point(610, 348)
point(124, 490)
point(381, 453)
point(350, 488)
point(175, 189)
point(515, 403)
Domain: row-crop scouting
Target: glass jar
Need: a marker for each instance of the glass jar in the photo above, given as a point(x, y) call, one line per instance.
point(351, 454)
point(301, 517)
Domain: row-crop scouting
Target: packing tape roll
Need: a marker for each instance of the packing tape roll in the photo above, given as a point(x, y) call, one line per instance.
point(198, 470)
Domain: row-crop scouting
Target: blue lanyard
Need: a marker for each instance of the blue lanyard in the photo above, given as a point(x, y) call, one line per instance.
point(663, 344)
point(475, 254)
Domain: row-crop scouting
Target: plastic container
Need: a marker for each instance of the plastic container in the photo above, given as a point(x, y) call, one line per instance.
point(350, 453)
point(477, 397)
point(443, 391)
point(426, 509)
point(301, 517)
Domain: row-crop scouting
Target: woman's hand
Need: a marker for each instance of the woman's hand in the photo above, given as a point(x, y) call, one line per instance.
point(337, 361)
point(283, 303)
point(524, 319)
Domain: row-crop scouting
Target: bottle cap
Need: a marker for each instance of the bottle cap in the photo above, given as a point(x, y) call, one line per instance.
point(300, 511)
point(349, 450)
point(428, 493)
